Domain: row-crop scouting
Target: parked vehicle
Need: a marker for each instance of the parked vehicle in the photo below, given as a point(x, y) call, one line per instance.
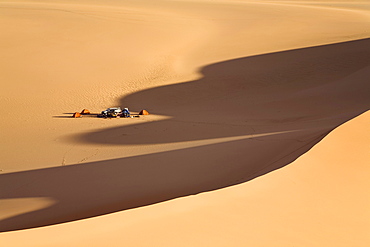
point(125, 113)
point(112, 112)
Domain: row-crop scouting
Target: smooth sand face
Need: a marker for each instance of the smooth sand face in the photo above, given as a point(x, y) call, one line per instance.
point(61, 58)
point(318, 200)
point(233, 96)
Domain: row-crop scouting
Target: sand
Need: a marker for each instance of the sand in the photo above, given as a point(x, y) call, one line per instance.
point(236, 90)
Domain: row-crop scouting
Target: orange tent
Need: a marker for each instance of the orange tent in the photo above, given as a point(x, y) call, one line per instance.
point(76, 115)
point(144, 112)
point(85, 111)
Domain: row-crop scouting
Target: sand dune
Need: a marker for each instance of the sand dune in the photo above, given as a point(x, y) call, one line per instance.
point(318, 200)
point(283, 119)
point(60, 58)
point(236, 90)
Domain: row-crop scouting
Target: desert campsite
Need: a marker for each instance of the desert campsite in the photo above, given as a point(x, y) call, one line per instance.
point(184, 123)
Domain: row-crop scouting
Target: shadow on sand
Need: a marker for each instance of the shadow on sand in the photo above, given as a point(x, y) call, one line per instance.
point(70, 115)
point(302, 94)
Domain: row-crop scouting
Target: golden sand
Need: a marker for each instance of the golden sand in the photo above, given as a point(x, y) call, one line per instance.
point(235, 91)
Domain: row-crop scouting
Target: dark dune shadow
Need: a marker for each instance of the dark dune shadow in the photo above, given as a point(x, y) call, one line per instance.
point(96, 188)
point(70, 115)
point(298, 89)
point(305, 92)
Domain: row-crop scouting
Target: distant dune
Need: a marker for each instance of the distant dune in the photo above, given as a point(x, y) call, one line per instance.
point(236, 90)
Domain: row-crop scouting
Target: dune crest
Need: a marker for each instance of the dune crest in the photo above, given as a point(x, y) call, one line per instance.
point(233, 99)
point(235, 90)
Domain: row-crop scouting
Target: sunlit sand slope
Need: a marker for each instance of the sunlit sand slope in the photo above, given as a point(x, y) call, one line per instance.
point(240, 129)
point(236, 90)
point(321, 199)
point(60, 57)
